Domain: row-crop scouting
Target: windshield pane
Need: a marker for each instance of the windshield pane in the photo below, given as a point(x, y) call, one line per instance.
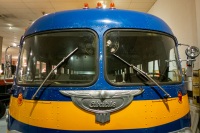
point(153, 53)
point(41, 53)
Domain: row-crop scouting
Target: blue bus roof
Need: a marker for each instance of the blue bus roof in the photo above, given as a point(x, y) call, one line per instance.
point(98, 19)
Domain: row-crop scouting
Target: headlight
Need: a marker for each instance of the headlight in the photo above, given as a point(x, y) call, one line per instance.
point(192, 52)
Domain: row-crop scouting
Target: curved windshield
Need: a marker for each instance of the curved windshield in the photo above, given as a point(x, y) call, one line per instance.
point(41, 53)
point(153, 53)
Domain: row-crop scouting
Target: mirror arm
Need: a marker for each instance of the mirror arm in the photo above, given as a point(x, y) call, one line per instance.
point(5, 63)
point(187, 60)
point(184, 44)
point(192, 52)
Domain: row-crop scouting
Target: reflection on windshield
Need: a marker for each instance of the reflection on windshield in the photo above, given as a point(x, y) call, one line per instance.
point(147, 51)
point(41, 53)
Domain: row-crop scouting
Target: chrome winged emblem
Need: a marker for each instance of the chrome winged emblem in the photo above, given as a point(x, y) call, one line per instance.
point(102, 102)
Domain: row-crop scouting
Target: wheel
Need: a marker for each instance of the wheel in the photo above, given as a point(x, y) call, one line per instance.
point(2, 109)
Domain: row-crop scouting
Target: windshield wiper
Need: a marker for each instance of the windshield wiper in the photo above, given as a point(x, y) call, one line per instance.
point(167, 95)
point(66, 57)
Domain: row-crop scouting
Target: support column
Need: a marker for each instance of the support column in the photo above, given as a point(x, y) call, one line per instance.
point(1, 43)
point(197, 2)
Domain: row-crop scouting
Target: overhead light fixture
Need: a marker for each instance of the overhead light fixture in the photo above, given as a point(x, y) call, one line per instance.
point(44, 14)
point(14, 44)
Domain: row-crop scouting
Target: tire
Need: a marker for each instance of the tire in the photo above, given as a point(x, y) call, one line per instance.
point(2, 109)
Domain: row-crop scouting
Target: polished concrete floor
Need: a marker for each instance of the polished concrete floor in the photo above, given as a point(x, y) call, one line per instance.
point(3, 124)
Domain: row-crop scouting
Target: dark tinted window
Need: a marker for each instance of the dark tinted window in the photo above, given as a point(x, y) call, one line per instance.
point(153, 53)
point(41, 53)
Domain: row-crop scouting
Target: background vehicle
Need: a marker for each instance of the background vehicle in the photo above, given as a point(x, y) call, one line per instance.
point(4, 97)
point(5, 85)
point(99, 70)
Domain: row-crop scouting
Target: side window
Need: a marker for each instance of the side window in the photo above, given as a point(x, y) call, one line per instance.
point(173, 72)
point(40, 69)
point(139, 66)
point(153, 68)
point(150, 67)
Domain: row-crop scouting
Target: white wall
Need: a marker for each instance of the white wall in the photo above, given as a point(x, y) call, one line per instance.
point(181, 16)
point(198, 25)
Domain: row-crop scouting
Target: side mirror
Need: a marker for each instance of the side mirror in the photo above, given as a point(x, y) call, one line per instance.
point(192, 52)
point(7, 65)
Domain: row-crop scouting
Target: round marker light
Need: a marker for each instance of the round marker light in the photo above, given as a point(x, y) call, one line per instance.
point(99, 5)
point(20, 99)
point(192, 52)
point(112, 6)
point(180, 96)
point(86, 6)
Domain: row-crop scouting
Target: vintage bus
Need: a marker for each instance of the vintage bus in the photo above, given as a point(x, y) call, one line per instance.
point(99, 70)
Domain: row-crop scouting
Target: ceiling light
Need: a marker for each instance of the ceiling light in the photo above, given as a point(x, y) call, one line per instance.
point(14, 44)
point(10, 25)
point(44, 14)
